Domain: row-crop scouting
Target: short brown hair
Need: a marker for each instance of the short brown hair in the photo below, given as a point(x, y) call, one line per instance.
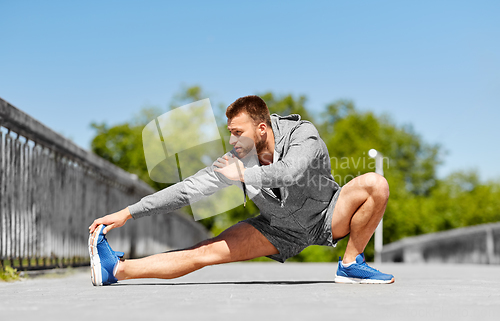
point(254, 106)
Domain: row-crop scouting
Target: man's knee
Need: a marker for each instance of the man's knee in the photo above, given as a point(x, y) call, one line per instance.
point(377, 186)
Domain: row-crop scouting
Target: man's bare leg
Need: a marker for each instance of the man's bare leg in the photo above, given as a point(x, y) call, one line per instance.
point(238, 243)
point(358, 211)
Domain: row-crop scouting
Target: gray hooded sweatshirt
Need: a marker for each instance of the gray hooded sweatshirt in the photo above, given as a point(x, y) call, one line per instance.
point(301, 171)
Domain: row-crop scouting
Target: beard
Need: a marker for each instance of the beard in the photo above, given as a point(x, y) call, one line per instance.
point(254, 148)
point(260, 146)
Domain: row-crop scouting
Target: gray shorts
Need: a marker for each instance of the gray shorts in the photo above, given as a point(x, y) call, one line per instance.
point(291, 242)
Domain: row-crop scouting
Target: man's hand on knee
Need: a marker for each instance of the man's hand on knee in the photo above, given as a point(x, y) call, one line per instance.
point(111, 221)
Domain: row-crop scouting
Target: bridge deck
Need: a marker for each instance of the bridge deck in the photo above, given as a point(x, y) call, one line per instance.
point(263, 291)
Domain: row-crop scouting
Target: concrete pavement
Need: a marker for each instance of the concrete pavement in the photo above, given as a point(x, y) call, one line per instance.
point(263, 291)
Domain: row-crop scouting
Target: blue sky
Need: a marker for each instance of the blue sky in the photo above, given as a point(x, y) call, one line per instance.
point(432, 64)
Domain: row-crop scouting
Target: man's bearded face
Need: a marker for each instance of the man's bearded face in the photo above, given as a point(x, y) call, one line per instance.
point(245, 136)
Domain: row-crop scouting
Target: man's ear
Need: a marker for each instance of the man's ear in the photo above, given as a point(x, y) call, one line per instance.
point(262, 127)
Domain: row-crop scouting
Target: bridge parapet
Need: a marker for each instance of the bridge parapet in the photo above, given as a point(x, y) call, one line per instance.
point(51, 190)
point(474, 244)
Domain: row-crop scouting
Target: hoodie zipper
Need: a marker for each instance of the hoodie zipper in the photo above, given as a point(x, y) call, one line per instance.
point(282, 202)
point(274, 197)
point(244, 194)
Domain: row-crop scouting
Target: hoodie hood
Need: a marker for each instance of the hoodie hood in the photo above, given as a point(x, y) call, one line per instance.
point(283, 127)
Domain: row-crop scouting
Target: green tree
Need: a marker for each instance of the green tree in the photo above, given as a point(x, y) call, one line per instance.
point(122, 144)
point(349, 134)
point(287, 104)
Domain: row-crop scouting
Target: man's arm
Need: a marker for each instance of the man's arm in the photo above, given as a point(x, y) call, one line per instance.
point(304, 148)
point(204, 183)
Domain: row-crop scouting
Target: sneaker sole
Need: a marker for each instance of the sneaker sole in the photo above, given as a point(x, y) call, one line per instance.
point(95, 261)
point(347, 280)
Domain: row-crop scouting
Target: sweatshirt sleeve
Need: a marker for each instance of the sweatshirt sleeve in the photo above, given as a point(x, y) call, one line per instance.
point(202, 184)
point(304, 148)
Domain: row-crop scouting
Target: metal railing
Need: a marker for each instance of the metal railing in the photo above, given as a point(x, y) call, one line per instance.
point(474, 244)
point(51, 190)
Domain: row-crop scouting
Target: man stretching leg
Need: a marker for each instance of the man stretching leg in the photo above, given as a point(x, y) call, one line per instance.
point(284, 165)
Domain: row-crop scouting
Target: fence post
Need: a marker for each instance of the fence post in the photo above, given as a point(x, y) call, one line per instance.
point(379, 237)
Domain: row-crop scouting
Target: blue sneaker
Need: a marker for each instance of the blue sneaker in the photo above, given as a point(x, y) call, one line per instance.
point(102, 258)
point(360, 272)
